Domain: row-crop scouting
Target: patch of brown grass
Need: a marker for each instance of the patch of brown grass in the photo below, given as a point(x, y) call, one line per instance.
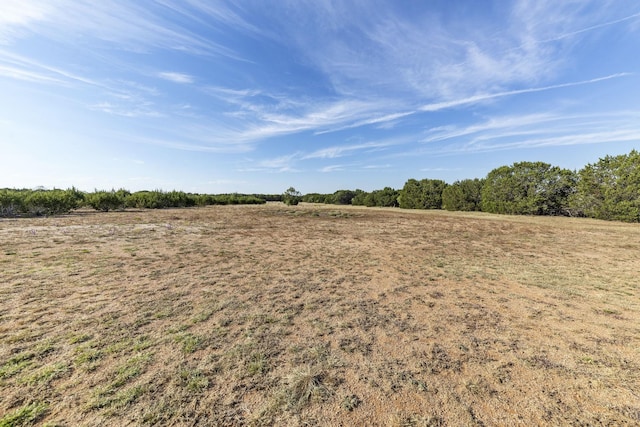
point(317, 315)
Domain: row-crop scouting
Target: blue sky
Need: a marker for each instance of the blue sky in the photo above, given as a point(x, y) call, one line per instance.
point(256, 96)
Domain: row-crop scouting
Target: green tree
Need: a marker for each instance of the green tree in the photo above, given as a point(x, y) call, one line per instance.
point(386, 198)
point(528, 188)
point(609, 189)
point(424, 194)
point(464, 195)
point(360, 198)
point(291, 196)
point(313, 198)
point(343, 197)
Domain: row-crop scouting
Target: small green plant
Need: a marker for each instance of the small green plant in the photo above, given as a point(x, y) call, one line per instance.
point(189, 342)
point(16, 364)
point(27, 415)
point(131, 369)
point(46, 374)
point(203, 316)
point(258, 363)
point(194, 380)
point(350, 402)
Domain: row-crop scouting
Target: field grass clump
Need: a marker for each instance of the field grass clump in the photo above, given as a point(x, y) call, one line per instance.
point(27, 415)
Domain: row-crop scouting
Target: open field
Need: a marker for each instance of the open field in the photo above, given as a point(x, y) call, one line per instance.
point(318, 315)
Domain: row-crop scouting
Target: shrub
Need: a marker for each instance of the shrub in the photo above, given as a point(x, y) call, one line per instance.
point(291, 196)
point(528, 188)
point(465, 195)
point(609, 189)
point(424, 194)
point(107, 200)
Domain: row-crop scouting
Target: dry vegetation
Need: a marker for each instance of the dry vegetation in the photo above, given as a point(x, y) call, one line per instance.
point(313, 315)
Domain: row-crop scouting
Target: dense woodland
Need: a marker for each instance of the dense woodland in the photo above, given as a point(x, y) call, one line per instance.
point(608, 189)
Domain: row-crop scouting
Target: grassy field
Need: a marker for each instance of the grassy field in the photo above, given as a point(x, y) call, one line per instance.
point(318, 315)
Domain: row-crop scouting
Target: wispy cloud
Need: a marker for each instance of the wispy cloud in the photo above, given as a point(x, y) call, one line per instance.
point(537, 130)
point(332, 168)
point(278, 164)
point(31, 76)
point(131, 111)
point(22, 66)
point(490, 96)
point(378, 71)
point(128, 25)
point(175, 77)
point(17, 14)
point(342, 150)
point(384, 166)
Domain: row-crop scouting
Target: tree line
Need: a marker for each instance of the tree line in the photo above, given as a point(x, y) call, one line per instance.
point(607, 189)
point(25, 202)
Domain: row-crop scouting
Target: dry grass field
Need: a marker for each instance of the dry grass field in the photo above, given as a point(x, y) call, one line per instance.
point(318, 315)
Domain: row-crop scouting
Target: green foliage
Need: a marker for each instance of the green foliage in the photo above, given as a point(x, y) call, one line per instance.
point(27, 415)
point(161, 200)
point(39, 202)
point(387, 197)
point(313, 198)
point(360, 198)
point(291, 197)
point(11, 202)
point(465, 195)
point(107, 200)
point(423, 194)
point(228, 199)
point(609, 189)
point(343, 197)
point(528, 188)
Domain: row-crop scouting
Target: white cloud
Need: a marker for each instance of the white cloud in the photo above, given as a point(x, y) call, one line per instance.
point(31, 76)
point(129, 110)
point(332, 168)
point(17, 14)
point(490, 96)
point(342, 150)
point(280, 164)
point(175, 77)
point(385, 166)
point(538, 130)
point(128, 25)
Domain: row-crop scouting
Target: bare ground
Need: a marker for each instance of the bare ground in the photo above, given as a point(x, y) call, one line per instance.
point(317, 315)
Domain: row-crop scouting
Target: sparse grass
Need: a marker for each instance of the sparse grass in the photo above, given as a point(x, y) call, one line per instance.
point(189, 342)
point(16, 364)
point(24, 416)
point(304, 386)
point(45, 375)
point(318, 315)
point(194, 380)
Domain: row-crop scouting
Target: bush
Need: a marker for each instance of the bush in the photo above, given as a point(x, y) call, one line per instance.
point(12, 202)
point(465, 195)
point(424, 194)
point(107, 200)
point(609, 189)
point(291, 197)
point(39, 202)
point(528, 188)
